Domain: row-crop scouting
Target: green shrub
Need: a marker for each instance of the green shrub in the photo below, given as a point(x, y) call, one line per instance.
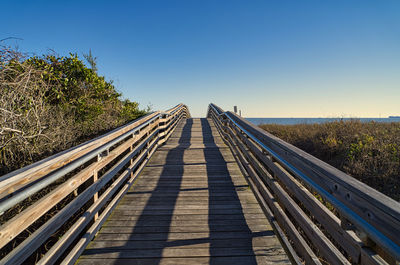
point(50, 103)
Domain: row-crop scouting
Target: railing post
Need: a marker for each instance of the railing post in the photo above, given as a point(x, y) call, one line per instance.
point(130, 151)
point(96, 177)
point(96, 195)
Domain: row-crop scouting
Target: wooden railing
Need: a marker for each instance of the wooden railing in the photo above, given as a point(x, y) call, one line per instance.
point(321, 215)
point(51, 209)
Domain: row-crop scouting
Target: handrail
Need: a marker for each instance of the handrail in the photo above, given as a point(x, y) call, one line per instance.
point(356, 219)
point(30, 190)
point(79, 186)
point(41, 168)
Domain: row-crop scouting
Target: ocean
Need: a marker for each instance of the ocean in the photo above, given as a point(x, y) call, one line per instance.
point(291, 121)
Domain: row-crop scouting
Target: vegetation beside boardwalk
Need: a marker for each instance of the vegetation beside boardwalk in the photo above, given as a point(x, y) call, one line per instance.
point(370, 152)
point(49, 103)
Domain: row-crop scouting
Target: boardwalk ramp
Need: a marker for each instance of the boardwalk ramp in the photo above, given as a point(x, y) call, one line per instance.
point(190, 205)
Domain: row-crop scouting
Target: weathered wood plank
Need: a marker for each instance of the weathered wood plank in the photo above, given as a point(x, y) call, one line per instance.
point(191, 206)
point(203, 228)
point(202, 243)
point(181, 252)
point(238, 260)
point(181, 223)
point(188, 200)
point(191, 192)
point(199, 155)
point(194, 184)
point(180, 236)
point(186, 211)
point(193, 145)
point(193, 170)
point(189, 217)
point(188, 193)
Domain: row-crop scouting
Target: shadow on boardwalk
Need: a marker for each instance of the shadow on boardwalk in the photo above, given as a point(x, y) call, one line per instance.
point(213, 155)
point(163, 227)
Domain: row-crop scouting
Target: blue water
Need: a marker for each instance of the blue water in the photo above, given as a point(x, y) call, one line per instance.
point(290, 121)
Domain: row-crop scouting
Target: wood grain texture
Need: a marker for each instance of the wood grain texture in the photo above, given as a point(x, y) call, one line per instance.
point(190, 205)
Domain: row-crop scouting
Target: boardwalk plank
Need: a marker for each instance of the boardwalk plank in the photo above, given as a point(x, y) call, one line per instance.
point(180, 252)
point(182, 236)
point(189, 217)
point(191, 243)
point(275, 258)
point(187, 228)
point(189, 212)
point(181, 223)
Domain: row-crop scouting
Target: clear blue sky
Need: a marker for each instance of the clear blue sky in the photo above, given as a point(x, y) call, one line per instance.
point(271, 58)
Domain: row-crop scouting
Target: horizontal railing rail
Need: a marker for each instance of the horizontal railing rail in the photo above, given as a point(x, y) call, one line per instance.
point(321, 214)
point(51, 209)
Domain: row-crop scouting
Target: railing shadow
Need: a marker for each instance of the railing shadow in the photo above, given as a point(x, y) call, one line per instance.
point(158, 209)
point(174, 166)
point(217, 169)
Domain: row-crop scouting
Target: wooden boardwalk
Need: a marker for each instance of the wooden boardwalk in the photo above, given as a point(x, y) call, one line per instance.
point(190, 205)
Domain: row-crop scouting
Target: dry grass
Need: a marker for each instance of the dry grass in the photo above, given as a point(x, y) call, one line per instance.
point(370, 152)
